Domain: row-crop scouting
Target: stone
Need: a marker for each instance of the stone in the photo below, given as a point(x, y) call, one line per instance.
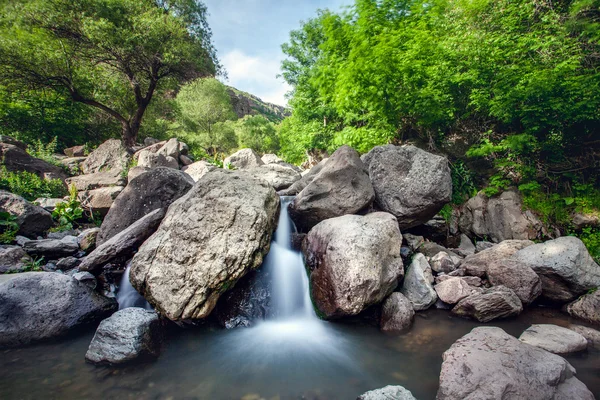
point(342, 187)
point(155, 189)
point(354, 262)
point(75, 151)
point(48, 204)
point(87, 239)
point(198, 169)
point(553, 338)
point(396, 314)
point(149, 141)
point(273, 159)
point(121, 246)
point(171, 149)
point(592, 336)
point(243, 159)
point(466, 246)
point(209, 239)
point(566, 268)
point(41, 305)
point(86, 279)
point(409, 183)
point(474, 281)
point(499, 218)
point(67, 263)
point(73, 164)
point(278, 176)
point(98, 180)
point(151, 160)
point(131, 334)
point(21, 240)
point(414, 242)
point(493, 303)
point(417, 284)
point(442, 262)
point(135, 172)
point(16, 159)
point(481, 245)
point(581, 221)
point(453, 290)
point(12, 259)
point(51, 248)
point(32, 220)
point(587, 307)
point(10, 140)
point(476, 265)
point(185, 160)
point(387, 393)
point(488, 363)
point(110, 155)
point(517, 276)
point(430, 249)
point(307, 178)
point(99, 200)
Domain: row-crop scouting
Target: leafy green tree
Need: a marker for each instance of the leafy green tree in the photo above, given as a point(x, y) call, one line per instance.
point(258, 133)
point(113, 55)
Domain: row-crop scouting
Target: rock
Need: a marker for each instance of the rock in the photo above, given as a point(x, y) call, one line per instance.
point(409, 183)
point(387, 393)
point(87, 239)
point(75, 151)
point(185, 160)
point(110, 155)
point(476, 265)
point(243, 159)
point(172, 163)
point(307, 178)
point(198, 169)
point(453, 290)
point(555, 339)
point(586, 307)
point(466, 246)
point(32, 220)
point(12, 259)
point(73, 164)
point(271, 159)
point(354, 262)
point(396, 314)
point(42, 305)
point(483, 245)
point(442, 262)
point(417, 284)
point(97, 180)
point(13, 141)
point(499, 218)
point(414, 242)
point(48, 204)
point(278, 176)
point(16, 159)
point(488, 363)
point(342, 187)
point(150, 160)
point(436, 229)
point(430, 249)
point(149, 141)
point(210, 238)
point(517, 276)
point(496, 302)
point(99, 200)
point(581, 221)
point(469, 280)
point(86, 279)
point(128, 335)
point(135, 172)
point(155, 189)
point(153, 148)
point(171, 149)
point(51, 248)
point(67, 263)
point(21, 240)
point(592, 336)
point(566, 268)
point(121, 246)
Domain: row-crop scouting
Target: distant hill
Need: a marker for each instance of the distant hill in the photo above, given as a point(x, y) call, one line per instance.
point(247, 104)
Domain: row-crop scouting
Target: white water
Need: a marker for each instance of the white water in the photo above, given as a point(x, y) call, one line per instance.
point(127, 296)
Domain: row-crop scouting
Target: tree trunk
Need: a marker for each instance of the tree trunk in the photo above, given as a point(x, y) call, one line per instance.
point(129, 135)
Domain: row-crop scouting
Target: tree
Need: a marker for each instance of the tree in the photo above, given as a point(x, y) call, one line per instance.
point(110, 54)
point(258, 133)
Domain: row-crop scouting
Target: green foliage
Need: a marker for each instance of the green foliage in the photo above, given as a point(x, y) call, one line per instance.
point(67, 213)
point(45, 152)
point(33, 265)
point(8, 227)
point(30, 186)
point(463, 182)
point(591, 238)
point(258, 133)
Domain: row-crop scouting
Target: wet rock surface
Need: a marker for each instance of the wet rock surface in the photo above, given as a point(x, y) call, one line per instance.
point(555, 339)
point(496, 302)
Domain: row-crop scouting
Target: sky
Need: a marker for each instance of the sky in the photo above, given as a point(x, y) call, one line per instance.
point(248, 35)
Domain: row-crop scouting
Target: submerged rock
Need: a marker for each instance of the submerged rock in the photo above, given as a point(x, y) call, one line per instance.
point(488, 363)
point(417, 284)
point(586, 307)
point(553, 338)
point(396, 314)
point(32, 220)
point(591, 335)
point(354, 262)
point(387, 393)
point(493, 303)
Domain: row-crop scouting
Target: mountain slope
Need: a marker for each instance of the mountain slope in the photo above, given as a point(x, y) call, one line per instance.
point(247, 104)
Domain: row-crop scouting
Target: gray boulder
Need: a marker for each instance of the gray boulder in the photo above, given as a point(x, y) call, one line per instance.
point(342, 187)
point(98, 180)
point(12, 259)
point(553, 338)
point(397, 314)
point(131, 334)
point(476, 264)
point(417, 284)
point(354, 262)
point(42, 305)
point(488, 363)
point(499, 218)
point(454, 289)
point(566, 268)
point(274, 159)
point(409, 183)
point(587, 307)
point(135, 172)
point(198, 169)
point(592, 336)
point(87, 239)
point(387, 393)
point(32, 220)
point(173, 148)
point(494, 303)
point(52, 248)
point(147, 159)
point(243, 159)
point(99, 200)
point(155, 189)
point(16, 159)
point(517, 276)
point(210, 238)
point(442, 262)
point(110, 155)
point(75, 151)
point(278, 176)
point(73, 164)
point(307, 178)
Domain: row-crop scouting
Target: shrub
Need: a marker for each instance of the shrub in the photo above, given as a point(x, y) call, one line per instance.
point(8, 227)
point(69, 212)
point(30, 186)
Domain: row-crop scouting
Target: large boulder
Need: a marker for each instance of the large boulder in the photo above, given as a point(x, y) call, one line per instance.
point(591, 335)
point(131, 334)
point(99, 200)
point(147, 159)
point(342, 187)
point(243, 159)
point(42, 305)
point(155, 189)
point(397, 314)
point(279, 176)
point(12, 259)
point(98, 180)
point(110, 155)
point(586, 307)
point(566, 268)
point(73, 164)
point(454, 289)
point(75, 151)
point(409, 183)
point(387, 393)
point(354, 262)
point(517, 276)
point(210, 238)
point(488, 363)
point(32, 220)
point(417, 284)
point(499, 218)
point(16, 159)
point(274, 159)
point(553, 338)
point(198, 169)
point(173, 148)
point(496, 302)
point(52, 248)
point(477, 264)
point(306, 179)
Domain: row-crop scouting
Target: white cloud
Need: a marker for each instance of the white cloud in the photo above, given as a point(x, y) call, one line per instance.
point(256, 75)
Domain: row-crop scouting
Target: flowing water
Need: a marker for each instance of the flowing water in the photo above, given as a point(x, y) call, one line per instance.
point(291, 355)
point(127, 296)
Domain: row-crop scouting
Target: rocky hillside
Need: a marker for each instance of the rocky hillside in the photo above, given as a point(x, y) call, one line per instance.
point(247, 104)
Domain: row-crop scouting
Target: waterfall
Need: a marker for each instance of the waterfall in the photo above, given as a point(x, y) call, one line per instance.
point(127, 296)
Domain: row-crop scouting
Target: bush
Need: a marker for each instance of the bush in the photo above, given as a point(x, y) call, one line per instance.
point(30, 186)
point(69, 212)
point(8, 227)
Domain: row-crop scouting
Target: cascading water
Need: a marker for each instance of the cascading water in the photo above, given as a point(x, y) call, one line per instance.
point(127, 296)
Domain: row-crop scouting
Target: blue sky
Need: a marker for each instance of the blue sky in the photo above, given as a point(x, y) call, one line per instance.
point(248, 35)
